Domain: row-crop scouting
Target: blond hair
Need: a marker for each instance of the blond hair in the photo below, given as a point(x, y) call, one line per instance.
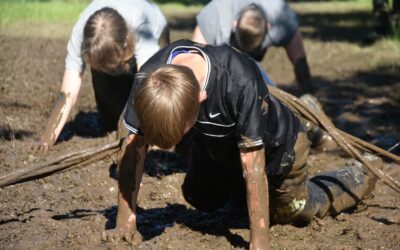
point(107, 44)
point(251, 28)
point(167, 104)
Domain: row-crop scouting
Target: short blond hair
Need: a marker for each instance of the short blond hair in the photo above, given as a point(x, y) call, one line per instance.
point(166, 104)
point(107, 44)
point(251, 28)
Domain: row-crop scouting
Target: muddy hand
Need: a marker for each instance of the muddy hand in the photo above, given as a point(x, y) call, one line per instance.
point(49, 135)
point(40, 146)
point(131, 236)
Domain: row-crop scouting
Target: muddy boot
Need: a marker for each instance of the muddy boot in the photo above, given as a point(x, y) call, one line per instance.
point(334, 192)
point(320, 139)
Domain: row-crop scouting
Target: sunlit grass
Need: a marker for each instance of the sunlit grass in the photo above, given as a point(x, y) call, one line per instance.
point(38, 11)
point(65, 11)
point(17, 14)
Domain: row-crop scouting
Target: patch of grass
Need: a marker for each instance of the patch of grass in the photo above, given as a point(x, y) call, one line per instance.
point(40, 11)
point(67, 11)
point(178, 7)
point(332, 6)
point(183, 2)
point(396, 36)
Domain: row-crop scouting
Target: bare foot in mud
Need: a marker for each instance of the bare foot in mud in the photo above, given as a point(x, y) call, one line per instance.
point(130, 235)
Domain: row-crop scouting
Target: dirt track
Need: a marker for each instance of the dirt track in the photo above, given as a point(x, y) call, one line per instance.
point(359, 87)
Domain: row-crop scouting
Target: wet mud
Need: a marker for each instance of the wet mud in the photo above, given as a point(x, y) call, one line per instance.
point(71, 210)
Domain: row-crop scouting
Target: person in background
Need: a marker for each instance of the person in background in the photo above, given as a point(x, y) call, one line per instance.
point(253, 26)
point(114, 38)
point(386, 20)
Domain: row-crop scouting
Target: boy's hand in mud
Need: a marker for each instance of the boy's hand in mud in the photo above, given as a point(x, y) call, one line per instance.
point(130, 235)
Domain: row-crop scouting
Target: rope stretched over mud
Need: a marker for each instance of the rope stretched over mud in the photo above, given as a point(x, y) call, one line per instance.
point(350, 144)
point(63, 163)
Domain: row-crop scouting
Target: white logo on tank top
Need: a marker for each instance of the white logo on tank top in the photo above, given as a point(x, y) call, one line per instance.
point(214, 115)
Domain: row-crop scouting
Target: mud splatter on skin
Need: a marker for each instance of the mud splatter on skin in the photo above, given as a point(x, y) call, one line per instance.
point(253, 163)
point(54, 120)
point(131, 166)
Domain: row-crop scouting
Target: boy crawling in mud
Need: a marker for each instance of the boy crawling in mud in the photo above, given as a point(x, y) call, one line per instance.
point(243, 142)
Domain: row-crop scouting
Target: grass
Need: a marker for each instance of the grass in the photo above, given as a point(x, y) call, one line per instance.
point(17, 14)
point(55, 18)
point(38, 11)
point(64, 11)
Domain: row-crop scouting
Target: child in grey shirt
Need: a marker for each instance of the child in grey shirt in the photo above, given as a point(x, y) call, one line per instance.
point(253, 26)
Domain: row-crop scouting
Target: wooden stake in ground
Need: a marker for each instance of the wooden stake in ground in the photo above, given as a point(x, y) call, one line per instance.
point(63, 163)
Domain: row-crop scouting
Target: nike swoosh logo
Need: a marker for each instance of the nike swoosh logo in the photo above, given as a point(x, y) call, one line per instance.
point(214, 115)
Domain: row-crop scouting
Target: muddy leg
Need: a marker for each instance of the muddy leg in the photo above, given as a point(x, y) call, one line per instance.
point(334, 192)
point(288, 193)
point(320, 139)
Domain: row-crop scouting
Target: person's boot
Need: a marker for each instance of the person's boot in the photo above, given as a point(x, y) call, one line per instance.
point(334, 192)
point(320, 139)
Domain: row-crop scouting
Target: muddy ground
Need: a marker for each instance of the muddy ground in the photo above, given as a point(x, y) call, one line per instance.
point(358, 85)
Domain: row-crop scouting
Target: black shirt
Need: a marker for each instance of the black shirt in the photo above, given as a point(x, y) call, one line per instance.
point(238, 107)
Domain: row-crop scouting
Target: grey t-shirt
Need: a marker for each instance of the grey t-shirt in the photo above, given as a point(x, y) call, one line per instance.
point(216, 21)
point(143, 17)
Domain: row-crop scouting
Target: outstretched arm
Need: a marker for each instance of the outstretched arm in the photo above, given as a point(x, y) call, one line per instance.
point(253, 164)
point(62, 107)
point(130, 172)
point(297, 56)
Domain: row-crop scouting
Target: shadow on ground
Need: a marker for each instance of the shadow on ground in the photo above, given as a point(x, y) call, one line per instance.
point(153, 222)
point(366, 105)
point(347, 27)
point(85, 124)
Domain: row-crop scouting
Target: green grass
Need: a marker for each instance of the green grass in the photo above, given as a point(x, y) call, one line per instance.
point(65, 11)
point(20, 13)
point(40, 11)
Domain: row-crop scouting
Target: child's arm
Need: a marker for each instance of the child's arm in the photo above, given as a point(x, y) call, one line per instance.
point(253, 164)
point(62, 107)
point(297, 55)
point(130, 172)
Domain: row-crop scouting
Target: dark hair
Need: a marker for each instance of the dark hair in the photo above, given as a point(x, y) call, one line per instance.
point(107, 43)
point(251, 28)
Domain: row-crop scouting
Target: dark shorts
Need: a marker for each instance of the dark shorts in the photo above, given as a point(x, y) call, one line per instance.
point(111, 93)
point(210, 182)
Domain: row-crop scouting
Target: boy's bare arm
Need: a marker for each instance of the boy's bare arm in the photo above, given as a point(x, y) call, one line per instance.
point(297, 55)
point(130, 172)
point(253, 164)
